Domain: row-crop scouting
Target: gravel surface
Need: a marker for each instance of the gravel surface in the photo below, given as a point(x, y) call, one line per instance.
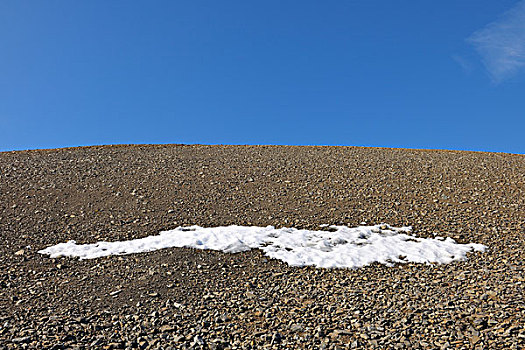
point(186, 298)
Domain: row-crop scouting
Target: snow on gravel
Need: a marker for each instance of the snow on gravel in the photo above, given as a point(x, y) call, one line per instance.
point(338, 247)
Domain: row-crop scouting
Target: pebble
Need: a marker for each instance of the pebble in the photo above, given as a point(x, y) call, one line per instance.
point(21, 340)
point(298, 327)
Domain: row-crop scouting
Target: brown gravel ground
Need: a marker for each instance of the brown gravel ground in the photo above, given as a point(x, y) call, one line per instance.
point(184, 298)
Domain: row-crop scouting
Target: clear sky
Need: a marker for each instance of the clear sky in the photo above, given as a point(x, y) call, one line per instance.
point(419, 74)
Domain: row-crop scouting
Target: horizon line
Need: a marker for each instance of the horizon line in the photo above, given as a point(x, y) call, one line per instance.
point(254, 145)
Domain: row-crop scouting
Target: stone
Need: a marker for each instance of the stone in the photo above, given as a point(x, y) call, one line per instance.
point(276, 338)
point(199, 340)
point(297, 327)
point(166, 328)
point(21, 340)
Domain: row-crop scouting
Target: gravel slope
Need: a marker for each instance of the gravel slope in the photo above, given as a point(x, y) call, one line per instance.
point(182, 298)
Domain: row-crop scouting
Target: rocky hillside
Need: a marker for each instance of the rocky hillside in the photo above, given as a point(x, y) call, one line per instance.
point(185, 298)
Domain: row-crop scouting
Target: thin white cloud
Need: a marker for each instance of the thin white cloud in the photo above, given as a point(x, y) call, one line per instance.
point(501, 44)
point(463, 63)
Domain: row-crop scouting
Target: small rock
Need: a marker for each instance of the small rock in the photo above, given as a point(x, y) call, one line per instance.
point(166, 328)
point(480, 323)
point(198, 340)
point(178, 338)
point(340, 332)
point(474, 339)
point(21, 340)
point(298, 327)
point(96, 342)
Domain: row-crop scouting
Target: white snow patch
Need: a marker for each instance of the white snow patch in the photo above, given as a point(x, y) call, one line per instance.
point(344, 247)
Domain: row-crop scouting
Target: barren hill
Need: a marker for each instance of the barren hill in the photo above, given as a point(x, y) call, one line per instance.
point(182, 298)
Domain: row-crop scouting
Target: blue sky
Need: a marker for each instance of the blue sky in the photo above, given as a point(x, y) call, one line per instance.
point(415, 74)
